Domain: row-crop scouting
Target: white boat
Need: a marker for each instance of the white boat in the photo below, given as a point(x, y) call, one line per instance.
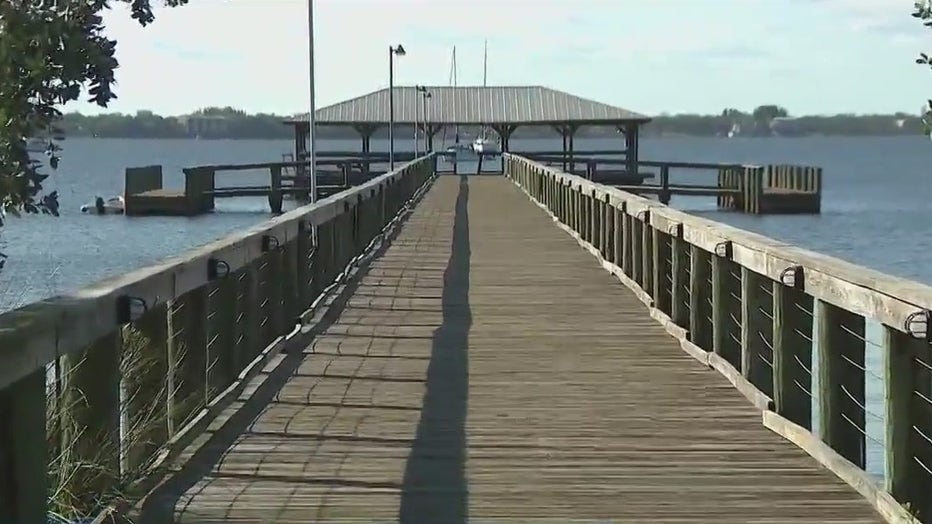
point(458, 152)
point(112, 206)
point(483, 146)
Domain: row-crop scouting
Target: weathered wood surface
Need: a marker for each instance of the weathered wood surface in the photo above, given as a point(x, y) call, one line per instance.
point(487, 368)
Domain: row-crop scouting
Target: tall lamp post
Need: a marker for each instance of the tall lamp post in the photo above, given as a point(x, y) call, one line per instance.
point(428, 137)
point(425, 94)
point(311, 149)
point(417, 121)
point(392, 51)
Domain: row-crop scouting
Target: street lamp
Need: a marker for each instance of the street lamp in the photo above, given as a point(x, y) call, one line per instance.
point(392, 51)
point(428, 137)
point(417, 121)
point(425, 94)
point(311, 149)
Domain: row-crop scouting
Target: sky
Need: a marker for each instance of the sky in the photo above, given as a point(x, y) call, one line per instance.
point(649, 56)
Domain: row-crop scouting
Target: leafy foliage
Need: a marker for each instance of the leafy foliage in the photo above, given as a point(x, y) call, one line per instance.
point(49, 51)
point(923, 11)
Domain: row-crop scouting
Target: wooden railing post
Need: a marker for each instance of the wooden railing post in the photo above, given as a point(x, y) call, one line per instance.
point(304, 271)
point(146, 369)
point(792, 348)
point(679, 276)
point(646, 253)
point(627, 243)
point(607, 228)
point(189, 358)
point(24, 456)
point(220, 318)
point(637, 248)
point(662, 252)
point(700, 298)
point(908, 382)
point(726, 306)
point(92, 427)
point(841, 381)
point(619, 215)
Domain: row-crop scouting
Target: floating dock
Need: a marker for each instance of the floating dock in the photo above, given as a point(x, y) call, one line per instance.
point(145, 194)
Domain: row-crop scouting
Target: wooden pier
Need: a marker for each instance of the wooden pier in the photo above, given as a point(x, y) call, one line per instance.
point(771, 189)
point(445, 349)
point(144, 193)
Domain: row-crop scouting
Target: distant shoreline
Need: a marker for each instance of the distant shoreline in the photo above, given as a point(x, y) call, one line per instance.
point(229, 123)
point(670, 136)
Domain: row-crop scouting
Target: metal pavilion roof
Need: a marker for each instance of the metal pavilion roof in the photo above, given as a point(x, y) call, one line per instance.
point(471, 105)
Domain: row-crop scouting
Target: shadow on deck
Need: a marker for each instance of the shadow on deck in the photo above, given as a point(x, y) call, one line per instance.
point(484, 367)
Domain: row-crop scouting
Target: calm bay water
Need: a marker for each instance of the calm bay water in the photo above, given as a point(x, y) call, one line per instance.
point(877, 210)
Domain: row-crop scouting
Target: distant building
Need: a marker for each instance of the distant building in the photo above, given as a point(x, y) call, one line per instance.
point(786, 126)
point(204, 125)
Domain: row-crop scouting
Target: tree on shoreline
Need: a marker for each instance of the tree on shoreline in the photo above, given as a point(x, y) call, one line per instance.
point(923, 11)
point(49, 53)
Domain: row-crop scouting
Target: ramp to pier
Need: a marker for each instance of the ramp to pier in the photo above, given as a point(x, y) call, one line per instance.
point(485, 368)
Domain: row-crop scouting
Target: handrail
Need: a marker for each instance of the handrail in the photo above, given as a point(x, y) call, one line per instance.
point(749, 306)
point(196, 321)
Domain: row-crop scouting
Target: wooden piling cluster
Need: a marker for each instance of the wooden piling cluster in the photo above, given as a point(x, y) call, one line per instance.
point(766, 314)
point(173, 340)
point(771, 189)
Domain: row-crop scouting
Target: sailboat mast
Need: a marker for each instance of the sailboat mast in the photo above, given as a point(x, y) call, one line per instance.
point(485, 77)
point(485, 64)
point(457, 128)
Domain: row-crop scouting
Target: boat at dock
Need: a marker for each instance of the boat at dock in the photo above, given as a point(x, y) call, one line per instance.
point(483, 145)
point(458, 152)
point(111, 206)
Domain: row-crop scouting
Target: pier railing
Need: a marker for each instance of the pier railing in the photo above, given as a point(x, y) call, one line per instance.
point(790, 328)
point(101, 387)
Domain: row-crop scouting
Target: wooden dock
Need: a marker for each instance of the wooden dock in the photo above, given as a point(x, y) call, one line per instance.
point(457, 384)
point(337, 171)
point(771, 189)
point(440, 349)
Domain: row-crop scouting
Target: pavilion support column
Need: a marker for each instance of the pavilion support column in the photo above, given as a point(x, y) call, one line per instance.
point(504, 133)
point(365, 133)
point(570, 133)
point(630, 130)
point(302, 132)
point(429, 131)
point(562, 129)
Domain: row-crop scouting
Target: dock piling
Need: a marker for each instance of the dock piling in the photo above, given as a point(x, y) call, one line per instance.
point(275, 194)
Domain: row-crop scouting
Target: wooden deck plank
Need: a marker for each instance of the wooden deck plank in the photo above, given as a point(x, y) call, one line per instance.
point(487, 369)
